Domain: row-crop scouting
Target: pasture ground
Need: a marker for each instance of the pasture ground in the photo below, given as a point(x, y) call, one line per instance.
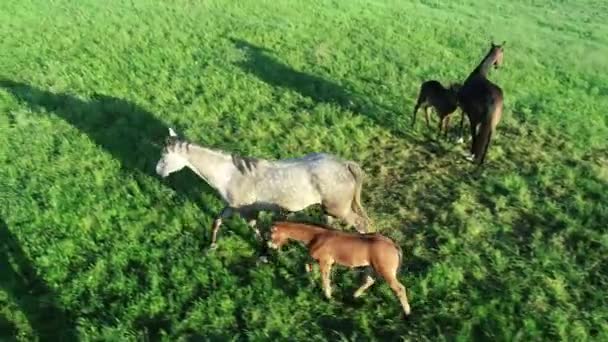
point(93, 245)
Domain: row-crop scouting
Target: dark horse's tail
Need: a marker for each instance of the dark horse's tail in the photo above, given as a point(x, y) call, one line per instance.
point(494, 108)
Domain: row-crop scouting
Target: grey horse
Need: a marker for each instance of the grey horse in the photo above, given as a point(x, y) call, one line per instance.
point(250, 185)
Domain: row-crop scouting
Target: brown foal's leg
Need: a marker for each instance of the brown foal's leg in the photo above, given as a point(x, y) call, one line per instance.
point(325, 265)
point(369, 281)
point(400, 291)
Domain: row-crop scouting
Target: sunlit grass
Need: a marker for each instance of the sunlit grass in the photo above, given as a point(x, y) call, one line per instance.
point(93, 245)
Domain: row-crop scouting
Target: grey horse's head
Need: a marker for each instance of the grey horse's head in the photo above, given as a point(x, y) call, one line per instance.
point(171, 159)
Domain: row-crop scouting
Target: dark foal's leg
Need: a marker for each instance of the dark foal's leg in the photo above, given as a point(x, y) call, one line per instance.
point(446, 125)
point(415, 112)
point(224, 214)
point(443, 126)
point(440, 127)
point(427, 116)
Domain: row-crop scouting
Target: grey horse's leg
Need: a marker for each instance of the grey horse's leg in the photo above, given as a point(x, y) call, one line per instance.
point(253, 225)
point(250, 215)
point(343, 211)
point(224, 214)
point(356, 221)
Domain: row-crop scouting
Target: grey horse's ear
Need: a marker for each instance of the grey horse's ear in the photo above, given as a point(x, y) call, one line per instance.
point(172, 132)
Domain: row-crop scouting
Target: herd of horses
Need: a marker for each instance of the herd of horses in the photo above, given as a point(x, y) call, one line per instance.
point(478, 98)
point(251, 185)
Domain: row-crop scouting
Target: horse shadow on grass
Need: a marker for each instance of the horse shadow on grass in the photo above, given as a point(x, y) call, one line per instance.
point(124, 129)
point(262, 64)
point(30, 293)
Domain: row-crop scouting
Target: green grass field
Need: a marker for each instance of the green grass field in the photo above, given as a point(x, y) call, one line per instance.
point(95, 246)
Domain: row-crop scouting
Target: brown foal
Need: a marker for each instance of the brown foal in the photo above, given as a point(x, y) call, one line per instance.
point(329, 246)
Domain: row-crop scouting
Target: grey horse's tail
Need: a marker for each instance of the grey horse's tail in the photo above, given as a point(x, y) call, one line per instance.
point(356, 206)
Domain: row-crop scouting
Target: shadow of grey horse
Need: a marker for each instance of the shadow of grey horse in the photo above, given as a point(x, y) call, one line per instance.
point(27, 289)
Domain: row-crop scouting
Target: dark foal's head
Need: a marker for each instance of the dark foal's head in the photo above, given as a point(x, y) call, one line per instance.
point(497, 52)
point(455, 87)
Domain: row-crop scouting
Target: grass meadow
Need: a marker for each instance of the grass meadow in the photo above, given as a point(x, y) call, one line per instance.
point(95, 247)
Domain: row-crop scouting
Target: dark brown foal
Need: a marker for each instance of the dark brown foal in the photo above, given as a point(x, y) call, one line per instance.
point(444, 100)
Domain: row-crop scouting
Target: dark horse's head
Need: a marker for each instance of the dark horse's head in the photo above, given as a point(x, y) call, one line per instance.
point(496, 52)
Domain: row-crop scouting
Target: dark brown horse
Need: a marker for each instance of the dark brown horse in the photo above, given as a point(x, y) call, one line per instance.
point(482, 102)
point(444, 100)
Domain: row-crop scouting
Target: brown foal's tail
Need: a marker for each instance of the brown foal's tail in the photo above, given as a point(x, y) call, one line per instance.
point(400, 253)
point(356, 206)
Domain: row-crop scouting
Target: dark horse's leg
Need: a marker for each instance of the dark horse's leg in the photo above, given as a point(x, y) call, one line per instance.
point(461, 138)
point(486, 137)
point(473, 137)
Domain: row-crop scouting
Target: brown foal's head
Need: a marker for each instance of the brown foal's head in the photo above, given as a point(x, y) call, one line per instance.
point(277, 238)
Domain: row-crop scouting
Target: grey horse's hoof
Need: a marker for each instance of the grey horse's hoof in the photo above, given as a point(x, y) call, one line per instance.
point(263, 259)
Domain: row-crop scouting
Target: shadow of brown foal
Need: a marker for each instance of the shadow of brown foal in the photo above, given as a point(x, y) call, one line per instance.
point(329, 246)
point(482, 101)
point(444, 100)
